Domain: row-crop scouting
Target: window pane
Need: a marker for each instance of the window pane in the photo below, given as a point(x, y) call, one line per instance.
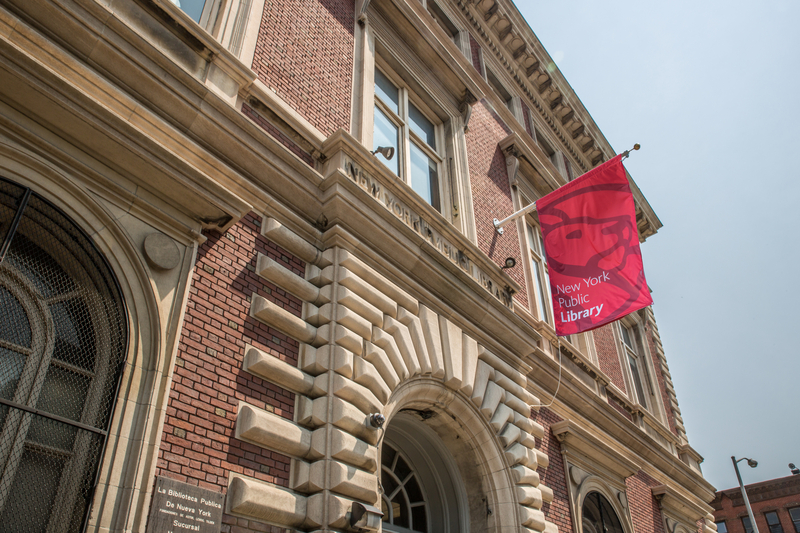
point(795, 514)
point(746, 523)
point(400, 510)
point(401, 469)
point(424, 178)
point(422, 126)
point(385, 134)
point(193, 8)
point(387, 92)
point(389, 483)
point(531, 242)
point(413, 490)
point(722, 527)
point(774, 522)
point(419, 518)
point(626, 336)
point(637, 382)
point(14, 327)
point(540, 292)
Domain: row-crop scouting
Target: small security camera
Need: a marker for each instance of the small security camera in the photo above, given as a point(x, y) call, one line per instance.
point(377, 420)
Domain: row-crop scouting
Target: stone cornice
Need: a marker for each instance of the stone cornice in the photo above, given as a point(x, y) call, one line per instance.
point(578, 403)
point(763, 491)
point(516, 47)
point(676, 503)
point(171, 125)
point(346, 157)
point(584, 444)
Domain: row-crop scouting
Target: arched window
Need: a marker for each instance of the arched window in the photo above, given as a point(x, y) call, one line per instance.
point(599, 516)
point(403, 501)
point(421, 488)
point(63, 339)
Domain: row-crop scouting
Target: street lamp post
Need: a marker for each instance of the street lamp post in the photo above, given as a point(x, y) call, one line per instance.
point(752, 463)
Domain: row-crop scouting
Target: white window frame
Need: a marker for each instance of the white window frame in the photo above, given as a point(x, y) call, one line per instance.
point(652, 402)
point(233, 23)
point(537, 272)
point(406, 135)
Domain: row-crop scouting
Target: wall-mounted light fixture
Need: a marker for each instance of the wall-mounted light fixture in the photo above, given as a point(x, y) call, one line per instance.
point(385, 151)
point(364, 518)
point(510, 263)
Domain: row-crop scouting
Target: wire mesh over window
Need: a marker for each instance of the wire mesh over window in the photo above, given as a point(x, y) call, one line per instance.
point(63, 338)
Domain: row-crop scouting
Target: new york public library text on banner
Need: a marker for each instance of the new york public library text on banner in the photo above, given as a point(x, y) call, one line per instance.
point(592, 247)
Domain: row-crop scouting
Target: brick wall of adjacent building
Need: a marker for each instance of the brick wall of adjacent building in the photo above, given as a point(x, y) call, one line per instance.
point(644, 509)
point(784, 494)
point(491, 192)
point(607, 355)
point(198, 444)
point(554, 476)
point(304, 53)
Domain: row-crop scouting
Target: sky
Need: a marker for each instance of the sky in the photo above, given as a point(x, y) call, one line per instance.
point(711, 90)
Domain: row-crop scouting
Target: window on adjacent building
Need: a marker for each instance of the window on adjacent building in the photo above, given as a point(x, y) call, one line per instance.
point(748, 527)
point(539, 274)
point(773, 522)
point(401, 121)
point(721, 527)
point(794, 513)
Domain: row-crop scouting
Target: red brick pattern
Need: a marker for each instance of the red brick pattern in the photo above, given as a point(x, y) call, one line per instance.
point(554, 476)
point(491, 192)
point(476, 52)
point(198, 444)
point(278, 134)
point(607, 355)
point(732, 515)
point(305, 54)
point(662, 384)
point(645, 513)
point(616, 405)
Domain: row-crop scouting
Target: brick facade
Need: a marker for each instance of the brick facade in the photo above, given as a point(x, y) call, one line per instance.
point(475, 48)
point(198, 445)
point(607, 355)
point(555, 475)
point(305, 54)
point(645, 512)
point(491, 192)
point(277, 134)
point(778, 495)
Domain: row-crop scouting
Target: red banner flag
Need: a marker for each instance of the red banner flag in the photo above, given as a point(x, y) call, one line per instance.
point(592, 247)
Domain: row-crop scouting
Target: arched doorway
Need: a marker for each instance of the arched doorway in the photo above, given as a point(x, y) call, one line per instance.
point(63, 340)
point(422, 490)
point(598, 515)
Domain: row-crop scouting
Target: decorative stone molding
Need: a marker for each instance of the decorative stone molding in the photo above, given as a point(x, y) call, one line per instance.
point(585, 446)
point(369, 339)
